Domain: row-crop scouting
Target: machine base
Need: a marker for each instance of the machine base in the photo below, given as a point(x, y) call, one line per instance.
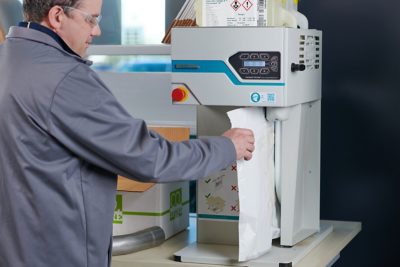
point(228, 255)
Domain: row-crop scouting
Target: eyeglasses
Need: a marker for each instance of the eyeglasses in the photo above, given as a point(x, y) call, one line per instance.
point(92, 20)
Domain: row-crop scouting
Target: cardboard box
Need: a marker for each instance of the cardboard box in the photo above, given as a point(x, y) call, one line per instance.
point(164, 205)
point(2, 34)
point(142, 205)
point(218, 208)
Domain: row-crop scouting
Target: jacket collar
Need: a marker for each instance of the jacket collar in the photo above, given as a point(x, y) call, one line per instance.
point(36, 33)
point(55, 36)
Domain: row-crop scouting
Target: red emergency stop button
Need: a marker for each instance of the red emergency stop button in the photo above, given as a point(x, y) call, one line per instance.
point(179, 94)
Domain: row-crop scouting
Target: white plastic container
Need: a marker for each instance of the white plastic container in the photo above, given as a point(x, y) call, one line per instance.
point(292, 7)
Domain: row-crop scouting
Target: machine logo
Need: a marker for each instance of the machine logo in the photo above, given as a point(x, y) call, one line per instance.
point(271, 97)
point(263, 98)
point(255, 97)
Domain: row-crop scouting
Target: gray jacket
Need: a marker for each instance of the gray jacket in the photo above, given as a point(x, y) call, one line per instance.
point(63, 139)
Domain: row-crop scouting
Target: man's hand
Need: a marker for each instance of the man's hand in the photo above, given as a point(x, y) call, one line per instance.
point(243, 139)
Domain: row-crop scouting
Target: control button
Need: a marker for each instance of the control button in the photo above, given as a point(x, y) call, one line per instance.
point(274, 58)
point(264, 56)
point(179, 94)
point(254, 71)
point(254, 56)
point(244, 71)
point(274, 64)
point(264, 71)
point(274, 68)
point(244, 56)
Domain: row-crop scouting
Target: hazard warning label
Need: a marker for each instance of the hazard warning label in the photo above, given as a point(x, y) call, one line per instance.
point(234, 13)
point(235, 5)
point(247, 4)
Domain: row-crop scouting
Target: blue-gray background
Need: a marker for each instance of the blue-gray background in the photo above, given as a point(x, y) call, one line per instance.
point(360, 169)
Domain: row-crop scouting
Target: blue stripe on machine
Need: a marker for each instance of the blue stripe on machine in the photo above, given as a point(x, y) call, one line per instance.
point(218, 217)
point(212, 66)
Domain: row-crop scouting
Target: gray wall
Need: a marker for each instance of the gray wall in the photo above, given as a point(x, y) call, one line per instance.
point(360, 127)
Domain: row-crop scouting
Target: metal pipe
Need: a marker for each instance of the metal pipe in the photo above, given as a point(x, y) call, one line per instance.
point(147, 238)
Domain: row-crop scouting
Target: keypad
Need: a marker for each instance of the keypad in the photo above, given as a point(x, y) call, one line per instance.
point(257, 65)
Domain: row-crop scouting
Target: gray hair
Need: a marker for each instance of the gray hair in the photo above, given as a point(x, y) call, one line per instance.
point(37, 10)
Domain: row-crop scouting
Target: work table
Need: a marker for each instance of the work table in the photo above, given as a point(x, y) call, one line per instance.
point(322, 255)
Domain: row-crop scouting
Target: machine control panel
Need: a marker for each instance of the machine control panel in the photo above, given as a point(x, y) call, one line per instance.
point(256, 65)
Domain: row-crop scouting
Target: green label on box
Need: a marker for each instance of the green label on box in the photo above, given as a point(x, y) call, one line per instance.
point(118, 214)
point(175, 204)
point(175, 208)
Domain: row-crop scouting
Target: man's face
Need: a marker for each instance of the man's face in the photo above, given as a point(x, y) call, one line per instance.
point(77, 29)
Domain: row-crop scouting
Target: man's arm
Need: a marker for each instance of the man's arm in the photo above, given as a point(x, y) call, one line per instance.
point(87, 119)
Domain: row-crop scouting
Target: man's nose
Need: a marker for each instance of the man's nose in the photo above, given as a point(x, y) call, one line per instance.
point(96, 31)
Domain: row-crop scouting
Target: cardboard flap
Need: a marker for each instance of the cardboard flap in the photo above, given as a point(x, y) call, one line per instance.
point(125, 184)
point(174, 134)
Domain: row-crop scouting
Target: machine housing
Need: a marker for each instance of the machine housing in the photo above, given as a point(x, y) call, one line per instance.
point(221, 68)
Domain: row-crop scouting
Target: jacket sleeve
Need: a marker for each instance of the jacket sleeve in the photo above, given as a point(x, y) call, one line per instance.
point(87, 119)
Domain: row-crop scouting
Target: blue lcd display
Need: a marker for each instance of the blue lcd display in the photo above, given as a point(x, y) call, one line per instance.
point(254, 63)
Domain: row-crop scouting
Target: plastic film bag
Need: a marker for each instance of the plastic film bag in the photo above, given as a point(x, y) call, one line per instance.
point(256, 185)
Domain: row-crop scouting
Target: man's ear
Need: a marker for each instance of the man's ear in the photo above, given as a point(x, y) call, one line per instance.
point(55, 17)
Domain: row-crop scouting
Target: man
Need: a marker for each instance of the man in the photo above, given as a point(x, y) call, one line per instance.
point(64, 137)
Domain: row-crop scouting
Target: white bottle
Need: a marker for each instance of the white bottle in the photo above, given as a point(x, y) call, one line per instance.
point(292, 7)
point(279, 16)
